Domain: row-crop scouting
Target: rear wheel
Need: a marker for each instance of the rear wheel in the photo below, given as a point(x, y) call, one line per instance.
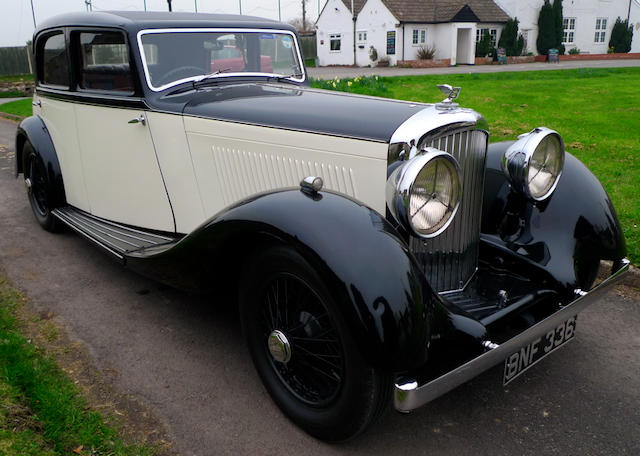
point(35, 178)
point(303, 351)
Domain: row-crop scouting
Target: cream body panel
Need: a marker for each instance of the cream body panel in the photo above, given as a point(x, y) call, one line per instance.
point(172, 150)
point(60, 120)
point(233, 161)
point(123, 178)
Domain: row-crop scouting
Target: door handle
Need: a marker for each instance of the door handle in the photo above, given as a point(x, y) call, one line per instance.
point(140, 119)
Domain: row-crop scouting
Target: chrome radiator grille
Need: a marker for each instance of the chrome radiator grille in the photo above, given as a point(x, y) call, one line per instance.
point(450, 259)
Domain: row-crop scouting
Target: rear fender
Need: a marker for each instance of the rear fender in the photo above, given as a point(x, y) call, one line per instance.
point(34, 130)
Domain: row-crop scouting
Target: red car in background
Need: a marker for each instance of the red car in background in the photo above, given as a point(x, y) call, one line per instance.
point(230, 59)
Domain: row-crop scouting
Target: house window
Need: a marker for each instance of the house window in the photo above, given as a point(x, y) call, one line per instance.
point(362, 36)
point(569, 28)
point(601, 30)
point(493, 32)
point(419, 36)
point(335, 41)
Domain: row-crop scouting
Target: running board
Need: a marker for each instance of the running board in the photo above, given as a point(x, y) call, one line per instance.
point(118, 240)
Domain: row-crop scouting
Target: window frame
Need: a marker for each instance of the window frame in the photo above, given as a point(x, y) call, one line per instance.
point(41, 40)
point(568, 30)
point(362, 36)
point(332, 37)
point(419, 36)
point(493, 32)
point(600, 34)
point(76, 54)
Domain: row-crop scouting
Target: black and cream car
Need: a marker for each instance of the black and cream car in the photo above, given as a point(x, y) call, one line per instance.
point(381, 250)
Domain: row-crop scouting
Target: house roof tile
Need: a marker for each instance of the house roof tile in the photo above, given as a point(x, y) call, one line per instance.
point(440, 10)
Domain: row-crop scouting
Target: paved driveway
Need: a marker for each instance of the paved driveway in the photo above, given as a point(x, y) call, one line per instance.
point(183, 356)
point(350, 72)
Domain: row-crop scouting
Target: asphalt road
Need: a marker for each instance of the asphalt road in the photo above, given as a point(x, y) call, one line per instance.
point(184, 357)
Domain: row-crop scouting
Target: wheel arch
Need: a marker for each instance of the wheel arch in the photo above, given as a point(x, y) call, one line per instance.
point(34, 130)
point(566, 235)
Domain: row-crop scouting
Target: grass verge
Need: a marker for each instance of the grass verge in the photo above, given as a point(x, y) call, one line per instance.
point(17, 78)
point(597, 112)
point(41, 411)
point(18, 108)
point(11, 94)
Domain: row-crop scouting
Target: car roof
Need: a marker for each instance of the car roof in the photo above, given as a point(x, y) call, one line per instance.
point(133, 21)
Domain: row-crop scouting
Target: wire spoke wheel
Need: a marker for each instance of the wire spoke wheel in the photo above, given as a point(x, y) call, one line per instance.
point(314, 370)
point(303, 350)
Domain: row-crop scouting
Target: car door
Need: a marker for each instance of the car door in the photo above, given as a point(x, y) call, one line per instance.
point(121, 171)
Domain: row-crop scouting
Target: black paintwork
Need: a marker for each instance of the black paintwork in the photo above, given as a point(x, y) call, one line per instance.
point(566, 236)
point(34, 130)
point(297, 108)
point(134, 21)
point(390, 308)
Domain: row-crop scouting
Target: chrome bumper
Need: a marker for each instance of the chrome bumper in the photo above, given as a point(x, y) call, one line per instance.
point(409, 395)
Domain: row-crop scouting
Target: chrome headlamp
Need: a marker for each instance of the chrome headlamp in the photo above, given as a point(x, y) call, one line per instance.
point(533, 164)
point(423, 194)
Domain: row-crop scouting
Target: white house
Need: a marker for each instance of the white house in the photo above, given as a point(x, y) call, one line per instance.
point(398, 28)
point(587, 23)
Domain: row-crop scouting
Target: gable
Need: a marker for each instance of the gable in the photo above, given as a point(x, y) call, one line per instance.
point(466, 14)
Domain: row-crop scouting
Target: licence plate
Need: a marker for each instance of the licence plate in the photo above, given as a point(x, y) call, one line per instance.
point(534, 351)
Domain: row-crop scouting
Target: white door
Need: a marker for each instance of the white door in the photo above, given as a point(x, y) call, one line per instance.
point(121, 171)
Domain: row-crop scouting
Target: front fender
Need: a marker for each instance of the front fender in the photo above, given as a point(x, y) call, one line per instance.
point(566, 235)
point(34, 130)
point(385, 299)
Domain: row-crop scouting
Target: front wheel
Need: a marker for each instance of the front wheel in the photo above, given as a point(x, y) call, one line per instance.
point(303, 351)
point(35, 177)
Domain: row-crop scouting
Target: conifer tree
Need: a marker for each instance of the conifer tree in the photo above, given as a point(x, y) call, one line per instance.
point(546, 29)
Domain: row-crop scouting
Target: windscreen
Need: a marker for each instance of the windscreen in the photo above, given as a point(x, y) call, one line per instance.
point(176, 56)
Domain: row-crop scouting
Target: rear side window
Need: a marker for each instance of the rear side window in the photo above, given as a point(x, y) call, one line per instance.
point(55, 67)
point(104, 60)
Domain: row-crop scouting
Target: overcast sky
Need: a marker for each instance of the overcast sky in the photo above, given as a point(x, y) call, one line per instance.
point(16, 22)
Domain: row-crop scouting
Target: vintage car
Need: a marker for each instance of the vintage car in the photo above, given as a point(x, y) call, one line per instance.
point(382, 251)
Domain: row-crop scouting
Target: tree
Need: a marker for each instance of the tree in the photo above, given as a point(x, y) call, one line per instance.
point(558, 21)
point(484, 47)
point(621, 36)
point(546, 29)
point(509, 38)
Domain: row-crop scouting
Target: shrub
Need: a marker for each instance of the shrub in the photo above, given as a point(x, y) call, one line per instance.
point(426, 52)
point(621, 36)
point(484, 47)
point(384, 62)
point(558, 25)
point(509, 38)
point(373, 54)
point(574, 51)
point(546, 29)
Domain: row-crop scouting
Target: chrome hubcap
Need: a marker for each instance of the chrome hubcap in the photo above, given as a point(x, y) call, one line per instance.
point(27, 184)
point(279, 346)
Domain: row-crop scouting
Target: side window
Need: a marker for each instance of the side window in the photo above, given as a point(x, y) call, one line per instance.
point(54, 68)
point(104, 61)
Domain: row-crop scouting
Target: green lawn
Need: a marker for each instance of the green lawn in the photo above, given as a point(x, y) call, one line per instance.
point(15, 78)
point(17, 108)
point(41, 411)
point(597, 112)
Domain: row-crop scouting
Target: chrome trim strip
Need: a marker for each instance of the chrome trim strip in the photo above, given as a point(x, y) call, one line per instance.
point(409, 396)
point(62, 218)
point(222, 75)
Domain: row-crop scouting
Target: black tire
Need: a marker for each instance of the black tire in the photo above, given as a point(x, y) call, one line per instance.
point(37, 189)
point(326, 387)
